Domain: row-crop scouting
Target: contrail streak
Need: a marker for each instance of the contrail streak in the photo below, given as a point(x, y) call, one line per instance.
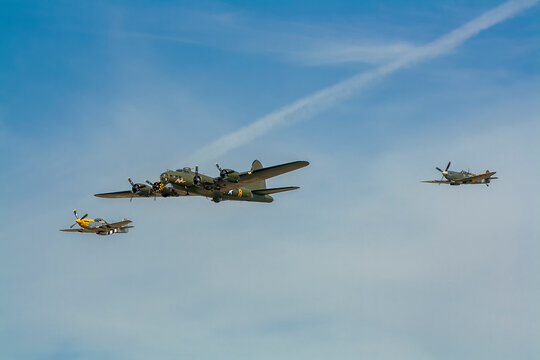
point(325, 98)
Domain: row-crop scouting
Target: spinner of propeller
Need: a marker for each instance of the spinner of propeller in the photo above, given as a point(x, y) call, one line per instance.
point(445, 170)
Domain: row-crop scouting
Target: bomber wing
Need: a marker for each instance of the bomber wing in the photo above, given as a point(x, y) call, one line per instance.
point(124, 194)
point(269, 172)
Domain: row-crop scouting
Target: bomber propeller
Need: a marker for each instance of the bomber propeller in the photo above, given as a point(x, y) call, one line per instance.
point(222, 172)
point(197, 177)
point(227, 173)
point(135, 188)
point(156, 186)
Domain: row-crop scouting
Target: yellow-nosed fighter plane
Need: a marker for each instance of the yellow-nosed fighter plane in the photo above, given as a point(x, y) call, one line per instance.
point(98, 226)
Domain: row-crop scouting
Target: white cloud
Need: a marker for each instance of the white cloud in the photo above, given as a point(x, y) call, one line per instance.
point(328, 97)
point(327, 53)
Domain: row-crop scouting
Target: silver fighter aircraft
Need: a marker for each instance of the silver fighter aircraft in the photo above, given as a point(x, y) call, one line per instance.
point(462, 177)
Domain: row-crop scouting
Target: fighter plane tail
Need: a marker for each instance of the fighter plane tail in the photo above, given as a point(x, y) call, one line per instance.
point(259, 185)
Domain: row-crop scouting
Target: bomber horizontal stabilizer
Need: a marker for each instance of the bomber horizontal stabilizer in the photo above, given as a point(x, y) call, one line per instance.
point(274, 190)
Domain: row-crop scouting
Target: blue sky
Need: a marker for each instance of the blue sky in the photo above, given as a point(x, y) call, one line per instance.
point(362, 262)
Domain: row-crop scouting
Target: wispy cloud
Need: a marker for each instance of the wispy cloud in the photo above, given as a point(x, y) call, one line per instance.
point(328, 53)
point(323, 99)
point(300, 43)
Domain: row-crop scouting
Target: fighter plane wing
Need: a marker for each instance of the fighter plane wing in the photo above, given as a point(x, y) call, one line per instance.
point(123, 194)
point(479, 178)
point(78, 230)
point(269, 172)
point(115, 225)
point(436, 181)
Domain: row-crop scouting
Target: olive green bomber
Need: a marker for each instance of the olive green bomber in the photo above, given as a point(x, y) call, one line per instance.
point(229, 185)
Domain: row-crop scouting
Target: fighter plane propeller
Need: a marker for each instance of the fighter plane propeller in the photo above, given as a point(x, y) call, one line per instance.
point(445, 170)
point(462, 177)
point(229, 185)
point(77, 218)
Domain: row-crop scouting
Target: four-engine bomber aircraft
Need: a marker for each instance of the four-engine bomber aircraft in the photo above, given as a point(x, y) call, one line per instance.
point(229, 185)
point(98, 226)
point(463, 177)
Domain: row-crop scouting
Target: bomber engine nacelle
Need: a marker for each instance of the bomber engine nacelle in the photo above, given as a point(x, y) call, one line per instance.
point(231, 175)
point(140, 189)
point(228, 174)
point(241, 193)
point(168, 190)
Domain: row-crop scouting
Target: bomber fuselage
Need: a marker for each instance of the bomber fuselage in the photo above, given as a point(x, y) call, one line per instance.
point(187, 182)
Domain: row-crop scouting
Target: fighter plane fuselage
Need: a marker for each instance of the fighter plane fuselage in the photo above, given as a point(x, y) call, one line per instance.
point(456, 175)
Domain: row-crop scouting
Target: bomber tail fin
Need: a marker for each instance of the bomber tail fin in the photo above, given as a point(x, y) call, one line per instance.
point(256, 165)
point(259, 185)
